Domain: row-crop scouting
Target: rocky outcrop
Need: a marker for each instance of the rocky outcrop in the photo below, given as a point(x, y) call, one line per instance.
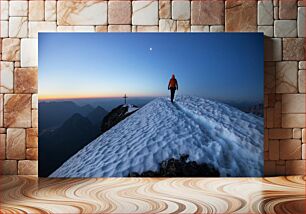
point(116, 115)
point(180, 168)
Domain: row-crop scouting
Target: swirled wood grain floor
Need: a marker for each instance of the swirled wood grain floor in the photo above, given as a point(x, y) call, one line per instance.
point(139, 195)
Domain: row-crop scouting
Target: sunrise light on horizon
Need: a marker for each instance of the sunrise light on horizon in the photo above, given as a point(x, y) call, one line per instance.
point(109, 65)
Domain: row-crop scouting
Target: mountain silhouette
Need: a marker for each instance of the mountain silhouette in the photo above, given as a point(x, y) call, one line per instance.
point(58, 146)
point(54, 114)
point(96, 115)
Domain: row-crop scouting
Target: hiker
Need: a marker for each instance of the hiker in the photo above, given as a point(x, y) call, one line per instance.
point(172, 86)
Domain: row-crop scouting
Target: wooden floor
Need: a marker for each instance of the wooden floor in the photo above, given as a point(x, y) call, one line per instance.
point(138, 195)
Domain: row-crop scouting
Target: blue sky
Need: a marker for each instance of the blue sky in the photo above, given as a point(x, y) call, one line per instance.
point(225, 66)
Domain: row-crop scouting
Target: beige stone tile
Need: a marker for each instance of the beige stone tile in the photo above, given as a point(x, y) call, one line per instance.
point(28, 167)
point(293, 49)
point(266, 142)
point(297, 133)
point(167, 25)
point(273, 150)
point(280, 133)
point(1, 47)
point(302, 65)
point(269, 168)
point(301, 21)
point(145, 13)
point(25, 80)
point(35, 101)
point(101, 28)
point(301, 3)
point(271, 100)
point(239, 15)
point(1, 110)
point(270, 118)
point(15, 143)
point(304, 151)
point(36, 10)
point(180, 10)
point(147, 28)
point(32, 154)
point(32, 138)
point(301, 81)
point(82, 12)
point(295, 167)
point(285, 28)
point(75, 29)
point(119, 28)
point(17, 64)
point(290, 149)
point(207, 12)
point(281, 162)
point(266, 30)
point(11, 49)
point(183, 26)
point(50, 10)
point(6, 77)
point(216, 28)
point(164, 9)
point(18, 8)
point(272, 49)
point(280, 170)
point(34, 118)
point(4, 10)
point(29, 52)
point(287, 9)
point(119, 12)
point(278, 114)
point(8, 167)
point(286, 77)
point(199, 28)
point(17, 110)
point(293, 103)
point(4, 29)
point(275, 13)
point(38, 26)
point(2, 146)
point(304, 135)
point(18, 27)
point(269, 80)
point(134, 28)
point(265, 12)
point(293, 120)
point(2, 130)
point(278, 97)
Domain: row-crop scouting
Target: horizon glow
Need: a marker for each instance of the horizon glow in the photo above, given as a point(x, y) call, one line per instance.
point(226, 66)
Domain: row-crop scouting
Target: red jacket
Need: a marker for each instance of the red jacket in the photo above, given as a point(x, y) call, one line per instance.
point(173, 83)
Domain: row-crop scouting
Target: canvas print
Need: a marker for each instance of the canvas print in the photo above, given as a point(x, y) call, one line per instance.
point(151, 104)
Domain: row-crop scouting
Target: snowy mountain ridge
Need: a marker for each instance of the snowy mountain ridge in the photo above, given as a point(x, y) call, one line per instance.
point(208, 131)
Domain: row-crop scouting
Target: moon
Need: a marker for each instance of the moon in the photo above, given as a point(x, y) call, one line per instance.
point(151, 49)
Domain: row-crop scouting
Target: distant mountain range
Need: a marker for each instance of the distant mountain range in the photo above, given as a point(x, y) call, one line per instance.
point(54, 114)
point(65, 128)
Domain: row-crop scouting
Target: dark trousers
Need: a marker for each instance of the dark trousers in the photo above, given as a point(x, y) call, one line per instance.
point(172, 91)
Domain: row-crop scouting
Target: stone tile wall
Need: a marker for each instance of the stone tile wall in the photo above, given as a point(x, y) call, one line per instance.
point(282, 21)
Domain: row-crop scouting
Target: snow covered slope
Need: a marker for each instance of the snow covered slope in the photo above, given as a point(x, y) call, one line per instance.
point(209, 131)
